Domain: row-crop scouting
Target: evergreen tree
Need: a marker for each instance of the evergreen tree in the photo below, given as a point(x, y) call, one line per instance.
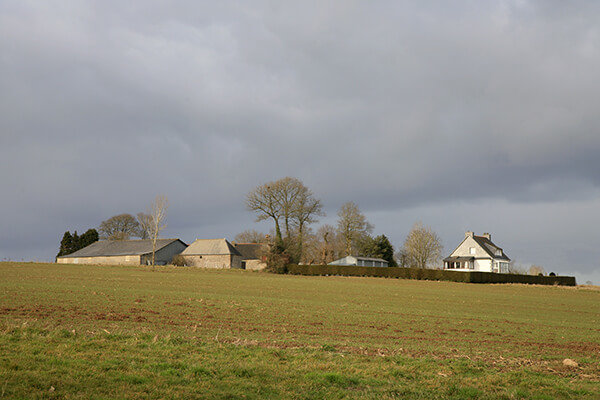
point(65, 244)
point(90, 236)
point(70, 243)
point(386, 250)
point(74, 243)
point(378, 247)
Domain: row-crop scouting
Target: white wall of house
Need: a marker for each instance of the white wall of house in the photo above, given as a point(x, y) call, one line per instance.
point(483, 265)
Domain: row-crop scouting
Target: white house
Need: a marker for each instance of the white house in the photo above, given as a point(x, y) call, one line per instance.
point(477, 253)
point(360, 262)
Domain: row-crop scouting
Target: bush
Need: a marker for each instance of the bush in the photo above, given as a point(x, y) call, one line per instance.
point(428, 274)
point(179, 261)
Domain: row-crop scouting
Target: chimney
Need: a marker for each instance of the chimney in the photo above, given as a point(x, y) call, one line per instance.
point(487, 236)
point(469, 234)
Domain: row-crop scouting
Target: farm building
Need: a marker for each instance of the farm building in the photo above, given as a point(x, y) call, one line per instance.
point(125, 252)
point(477, 253)
point(360, 262)
point(212, 253)
point(253, 255)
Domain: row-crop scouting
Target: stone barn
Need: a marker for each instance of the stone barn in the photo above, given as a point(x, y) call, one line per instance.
point(254, 255)
point(212, 253)
point(125, 252)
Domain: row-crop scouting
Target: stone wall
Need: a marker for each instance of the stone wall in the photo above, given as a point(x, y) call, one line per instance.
point(255, 265)
point(111, 260)
point(213, 261)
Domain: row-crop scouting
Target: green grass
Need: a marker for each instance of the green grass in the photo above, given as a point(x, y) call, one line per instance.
point(70, 331)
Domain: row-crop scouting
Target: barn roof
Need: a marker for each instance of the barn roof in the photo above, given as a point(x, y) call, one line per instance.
point(104, 248)
point(250, 251)
point(210, 247)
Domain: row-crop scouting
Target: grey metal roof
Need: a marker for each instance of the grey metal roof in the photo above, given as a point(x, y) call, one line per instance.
point(210, 247)
point(342, 261)
point(369, 259)
point(104, 248)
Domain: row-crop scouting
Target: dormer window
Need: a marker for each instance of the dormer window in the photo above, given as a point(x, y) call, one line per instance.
point(498, 252)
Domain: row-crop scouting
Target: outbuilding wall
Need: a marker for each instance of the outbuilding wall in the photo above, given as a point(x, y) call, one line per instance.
point(110, 260)
point(255, 265)
point(213, 261)
point(164, 255)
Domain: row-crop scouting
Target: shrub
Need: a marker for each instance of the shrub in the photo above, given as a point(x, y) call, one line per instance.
point(179, 261)
point(428, 274)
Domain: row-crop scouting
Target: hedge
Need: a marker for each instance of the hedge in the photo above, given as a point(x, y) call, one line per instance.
point(429, 274)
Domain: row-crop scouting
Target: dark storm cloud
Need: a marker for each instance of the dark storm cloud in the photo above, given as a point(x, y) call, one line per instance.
point(414, 111)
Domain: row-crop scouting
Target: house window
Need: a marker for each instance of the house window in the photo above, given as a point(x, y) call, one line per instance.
point(472, 250)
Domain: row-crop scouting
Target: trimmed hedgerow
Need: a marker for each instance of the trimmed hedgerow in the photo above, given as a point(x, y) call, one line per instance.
point(428, 274)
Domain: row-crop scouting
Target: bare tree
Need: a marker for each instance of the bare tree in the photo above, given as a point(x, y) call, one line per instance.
point(352, 226)
point(144, 221)
point(423, 246)
point(329, 244)
point(251, 236)
point(514, 268)
point(265, 203)
point(288, 192)
point(119, 227)
point(402, 258)
point(305, 211)
point(537, 270)
point(285, 201)
point(157, 215)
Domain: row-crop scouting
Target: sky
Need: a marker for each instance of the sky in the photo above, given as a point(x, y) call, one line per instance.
point(478, 116)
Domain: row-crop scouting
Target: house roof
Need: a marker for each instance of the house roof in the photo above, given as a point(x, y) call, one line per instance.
point(104, 248)
point(211, 247)
point(250, 251)
point(490, 248)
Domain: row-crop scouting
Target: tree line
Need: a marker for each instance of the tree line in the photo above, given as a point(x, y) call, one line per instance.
point(293, 209)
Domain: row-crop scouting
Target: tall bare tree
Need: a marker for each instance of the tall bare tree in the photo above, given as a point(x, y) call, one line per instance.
point(156, 222)
point(423, 246)
point(288, 192)
point(285, 201)
point(329, 244)
point(536, 270)
point(264, 201)
point(251, 236)
point(305, 211)
point(352, 226)
point(119, 227)
point(144, 221)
